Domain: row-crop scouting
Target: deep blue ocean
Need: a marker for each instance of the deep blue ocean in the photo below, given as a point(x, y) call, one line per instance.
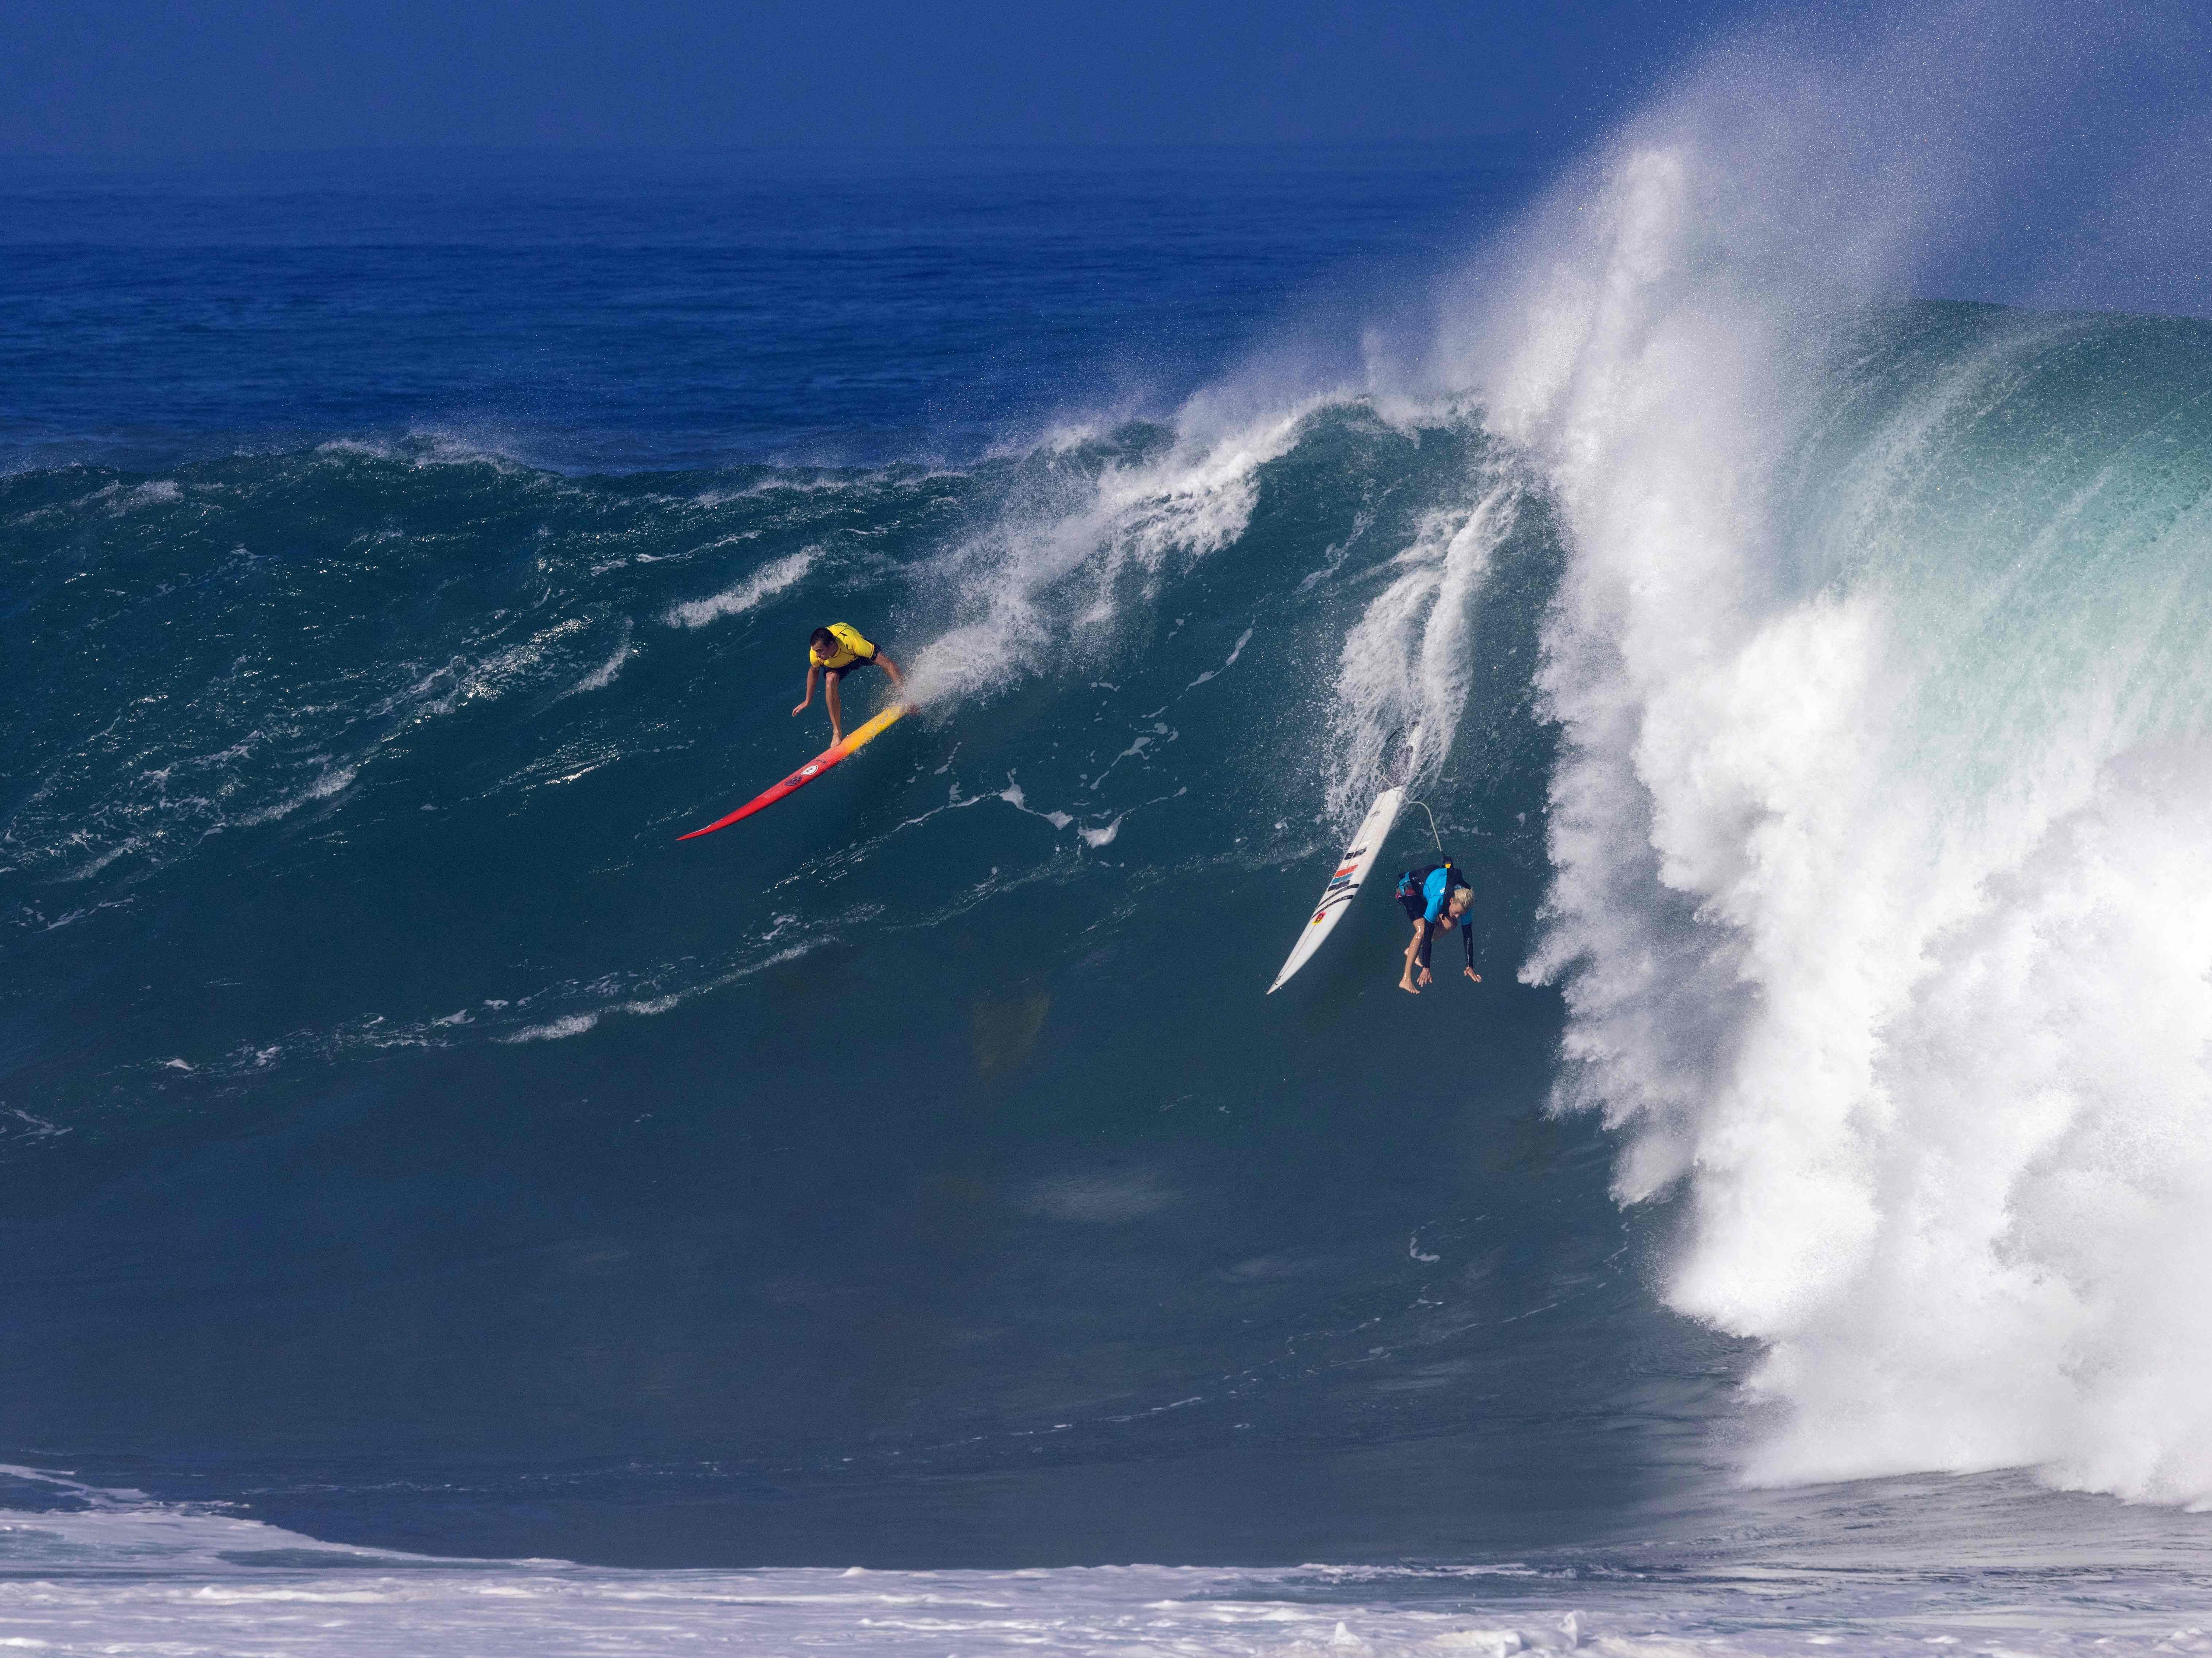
point(410, 1151)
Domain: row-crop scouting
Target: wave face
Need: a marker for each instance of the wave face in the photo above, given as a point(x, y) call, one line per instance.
point(413, 1095)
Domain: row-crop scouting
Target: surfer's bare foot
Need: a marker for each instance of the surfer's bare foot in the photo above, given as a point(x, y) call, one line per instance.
point(1406, 985)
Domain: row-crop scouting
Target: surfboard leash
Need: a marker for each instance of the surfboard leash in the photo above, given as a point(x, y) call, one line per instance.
point(1433, 835)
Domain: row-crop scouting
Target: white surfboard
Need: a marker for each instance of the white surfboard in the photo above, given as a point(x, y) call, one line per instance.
point(1351, 874)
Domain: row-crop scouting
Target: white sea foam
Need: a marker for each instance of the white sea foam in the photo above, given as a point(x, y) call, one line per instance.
point(1880, 899)
point(118, 498)
point(426, 446)
point(611, 987)
point(469, 677)
point(761, 585)
point(1234, 651)
point(334, 780)
point(112, 1571)
point(604, 676)
point(1013, 796)
point(554, 1030)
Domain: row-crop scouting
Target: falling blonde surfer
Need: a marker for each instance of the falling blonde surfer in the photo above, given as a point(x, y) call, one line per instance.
point(1436, 898)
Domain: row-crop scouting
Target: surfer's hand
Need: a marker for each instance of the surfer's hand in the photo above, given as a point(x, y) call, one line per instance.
point(1425, 978)
point(1472, 974)
point(801, 708)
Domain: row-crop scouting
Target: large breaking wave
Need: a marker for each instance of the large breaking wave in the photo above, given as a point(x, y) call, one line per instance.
point(1880, 669)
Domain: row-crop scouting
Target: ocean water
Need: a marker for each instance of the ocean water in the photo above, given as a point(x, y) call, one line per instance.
point(442, 1213)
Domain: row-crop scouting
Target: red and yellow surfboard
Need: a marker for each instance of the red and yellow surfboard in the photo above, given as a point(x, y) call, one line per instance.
point(807, 772)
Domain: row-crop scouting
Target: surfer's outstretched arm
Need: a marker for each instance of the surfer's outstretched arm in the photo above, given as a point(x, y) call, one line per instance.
point(813, 671)
point(898, 680)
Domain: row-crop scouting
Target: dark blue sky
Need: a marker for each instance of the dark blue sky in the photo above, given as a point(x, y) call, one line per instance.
point(150, 77)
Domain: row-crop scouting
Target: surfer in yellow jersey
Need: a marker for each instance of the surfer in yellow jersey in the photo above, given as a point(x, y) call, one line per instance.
point(832, 652)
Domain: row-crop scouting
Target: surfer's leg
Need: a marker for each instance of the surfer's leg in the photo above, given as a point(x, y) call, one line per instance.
point(837, 712)
point(1406, 979)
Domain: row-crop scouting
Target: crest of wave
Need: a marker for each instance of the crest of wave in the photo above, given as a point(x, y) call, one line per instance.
point(1086, 549)
point(1881, 903)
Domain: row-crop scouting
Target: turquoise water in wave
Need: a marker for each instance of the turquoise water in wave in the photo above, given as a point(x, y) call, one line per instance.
point(418, 1171)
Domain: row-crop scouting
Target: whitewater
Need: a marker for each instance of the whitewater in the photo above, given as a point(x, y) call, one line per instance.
point(444, 1215)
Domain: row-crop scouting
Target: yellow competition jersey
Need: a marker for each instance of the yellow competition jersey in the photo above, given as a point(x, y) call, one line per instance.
point(851, 648)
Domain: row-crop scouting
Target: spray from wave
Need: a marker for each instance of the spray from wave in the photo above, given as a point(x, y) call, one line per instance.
point(1082, 550)
point(1880, 669)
